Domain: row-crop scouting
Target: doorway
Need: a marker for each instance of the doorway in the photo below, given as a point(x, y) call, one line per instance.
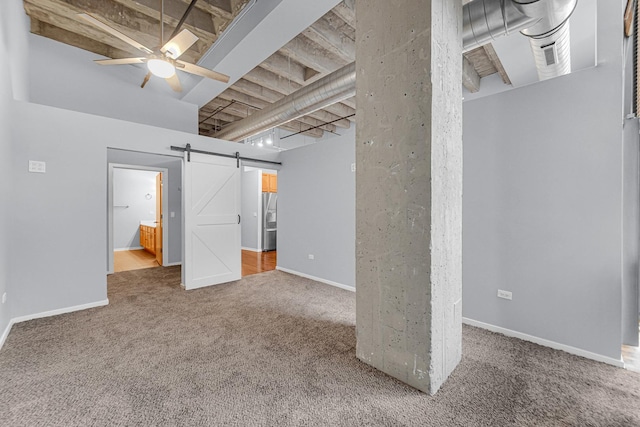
point(259, 225)
point(137, 225)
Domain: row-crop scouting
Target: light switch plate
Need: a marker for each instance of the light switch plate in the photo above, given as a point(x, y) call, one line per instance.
point(504, 294)
point(37, 167)
point(353, 167)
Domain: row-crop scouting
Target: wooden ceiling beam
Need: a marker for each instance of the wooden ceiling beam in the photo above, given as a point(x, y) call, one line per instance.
point(72, 26)
point(285, 67)
point(173, 11)
point(309, 54)
point(350, 102)
point(470, 77)
point(136, 25)
point(221, 8)
point(221, 116)
point(54, 32)
point(235, 95)
point(289, 69)
point(493, 56)
point(341, 25)
point(327, 32)
point(346, 13)
point(199, 23)
point(283, 86)
point(269, 97)
point(241, 111)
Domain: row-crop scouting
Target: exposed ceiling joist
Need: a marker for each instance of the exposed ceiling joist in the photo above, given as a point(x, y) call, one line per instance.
point(470, 77)
point(322, 48)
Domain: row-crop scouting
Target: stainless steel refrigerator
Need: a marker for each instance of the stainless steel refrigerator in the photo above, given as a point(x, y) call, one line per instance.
point(269, 221)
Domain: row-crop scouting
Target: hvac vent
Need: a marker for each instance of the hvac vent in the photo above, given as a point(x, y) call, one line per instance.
point(549, 54)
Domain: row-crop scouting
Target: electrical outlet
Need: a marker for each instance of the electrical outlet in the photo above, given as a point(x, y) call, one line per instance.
point(4, 297)
point(353, 167)
point(311, 256)
point(504, 294)
point(37, 167)
point(173, 214)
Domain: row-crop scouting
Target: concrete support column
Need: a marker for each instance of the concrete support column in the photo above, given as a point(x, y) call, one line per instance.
point(409, 188)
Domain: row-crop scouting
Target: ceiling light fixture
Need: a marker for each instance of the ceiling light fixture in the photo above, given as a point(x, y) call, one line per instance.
point(260, 144)
point(161, 68)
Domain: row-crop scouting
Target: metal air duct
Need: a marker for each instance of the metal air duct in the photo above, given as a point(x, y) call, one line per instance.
point(545, 22)
point(328, 90)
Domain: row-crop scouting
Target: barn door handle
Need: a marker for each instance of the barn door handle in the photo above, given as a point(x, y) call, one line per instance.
point(238, 218)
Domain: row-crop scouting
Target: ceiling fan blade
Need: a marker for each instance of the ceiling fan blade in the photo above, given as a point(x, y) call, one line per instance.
point(174, 82)
point(121, 61)
point(146, 80)
point(95, 21)
point(201, 71)
point(179, 44)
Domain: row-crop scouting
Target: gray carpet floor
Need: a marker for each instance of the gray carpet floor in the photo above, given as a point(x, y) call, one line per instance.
point(276, 350)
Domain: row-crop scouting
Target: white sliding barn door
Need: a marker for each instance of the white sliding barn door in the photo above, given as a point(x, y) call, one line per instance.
point(212, 230)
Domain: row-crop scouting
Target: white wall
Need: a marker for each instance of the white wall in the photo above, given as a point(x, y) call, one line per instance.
point(316, 210)
point(251, 209)
point(6, 105)
point(74, 82)
point(134, 200)
point(71, 266)
point(172, 192)
point(543, 203)
point(57, 232)
point(631, 208)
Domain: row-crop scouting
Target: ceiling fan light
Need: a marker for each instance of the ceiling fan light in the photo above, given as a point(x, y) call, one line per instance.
point(161, 68)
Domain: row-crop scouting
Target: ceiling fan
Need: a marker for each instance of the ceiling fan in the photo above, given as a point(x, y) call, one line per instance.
point(162, 61)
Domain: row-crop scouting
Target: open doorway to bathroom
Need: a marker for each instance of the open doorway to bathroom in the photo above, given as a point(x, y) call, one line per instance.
point(136, 206)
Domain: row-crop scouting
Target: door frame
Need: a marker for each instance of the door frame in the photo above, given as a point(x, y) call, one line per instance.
point(165, 209)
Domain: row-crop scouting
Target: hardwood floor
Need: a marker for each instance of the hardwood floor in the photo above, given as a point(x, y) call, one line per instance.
point(133, 260)
point(257, 262)
point(631, 356)
point(252, 262)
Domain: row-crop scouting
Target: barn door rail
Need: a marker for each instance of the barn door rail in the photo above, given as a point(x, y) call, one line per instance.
point(235, 155)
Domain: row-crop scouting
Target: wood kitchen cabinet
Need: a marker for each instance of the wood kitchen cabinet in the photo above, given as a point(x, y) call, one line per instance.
point(148, 238)
point(269, 183)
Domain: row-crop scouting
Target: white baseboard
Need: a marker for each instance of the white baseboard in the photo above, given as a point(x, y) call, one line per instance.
point(60, 311)
point(317, 279)
point(547, 343)
point(15, 320)
point(5, 333)
point(251, 249)
point(171, 264)
point(133, 248)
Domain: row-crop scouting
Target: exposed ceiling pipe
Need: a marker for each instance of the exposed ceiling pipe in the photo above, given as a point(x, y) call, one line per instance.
point(545, 22)
point(328, 90)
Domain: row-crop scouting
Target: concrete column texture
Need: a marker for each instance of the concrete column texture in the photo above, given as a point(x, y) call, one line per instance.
point(409, 188)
